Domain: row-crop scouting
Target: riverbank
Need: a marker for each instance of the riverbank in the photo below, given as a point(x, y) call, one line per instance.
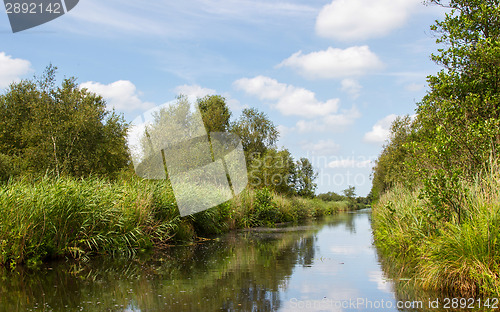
point(68, 217)
point(457, 256)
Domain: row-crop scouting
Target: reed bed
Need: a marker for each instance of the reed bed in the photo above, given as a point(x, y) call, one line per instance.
point(457, 258)
point(66, 217)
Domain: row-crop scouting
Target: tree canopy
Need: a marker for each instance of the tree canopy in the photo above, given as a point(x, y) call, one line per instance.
point(64, 129)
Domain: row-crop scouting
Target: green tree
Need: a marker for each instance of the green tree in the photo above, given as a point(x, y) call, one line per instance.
point(63, 129)
point(396, 164)
point(459, 117)
point(257, 132)
point(179, 134)
point(331, 196)
point(304, 178)
point(274, 169)
point(457, 126)
point(215, 113)
point(350, 192)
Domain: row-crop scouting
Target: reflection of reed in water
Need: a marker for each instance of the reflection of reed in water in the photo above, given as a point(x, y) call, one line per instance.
point(243, 271)
point(406, 289)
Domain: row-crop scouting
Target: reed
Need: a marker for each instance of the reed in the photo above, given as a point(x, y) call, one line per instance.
point(458, 258)
point(67, 217)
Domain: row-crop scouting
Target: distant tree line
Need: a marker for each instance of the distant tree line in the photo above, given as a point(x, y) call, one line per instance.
point(349, 194)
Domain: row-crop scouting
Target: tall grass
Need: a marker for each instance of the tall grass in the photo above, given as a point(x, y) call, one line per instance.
point(51, 218)
point(69, 217)
point(458, 258)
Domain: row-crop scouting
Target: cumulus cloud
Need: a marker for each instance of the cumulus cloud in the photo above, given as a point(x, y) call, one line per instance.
point(194, 92)
point(381, 130)
point(322, 147)
point(288, 99)
point(334, 63)
point(331, 122)
point(121, 95)
point(414, 87)
point(12, 69)
point(351, 87)
point(362, 19)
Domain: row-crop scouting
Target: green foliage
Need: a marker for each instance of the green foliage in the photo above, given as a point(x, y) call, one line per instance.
point(459, 258)
point(65, 130)
point(9, 167)
point(439, 171)
point(265, 208)
point(57, 217)
point(304, 177)
point(396, 164)
point(350, 192)
point(330, 196)
point(215, 113)
point(274, 169)
point(456, 128)
point(51, 218)
point(257, 132)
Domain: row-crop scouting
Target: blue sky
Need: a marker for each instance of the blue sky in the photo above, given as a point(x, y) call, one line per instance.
point(331, 74)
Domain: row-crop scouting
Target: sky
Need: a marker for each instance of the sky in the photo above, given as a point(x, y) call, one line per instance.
point(331, 75)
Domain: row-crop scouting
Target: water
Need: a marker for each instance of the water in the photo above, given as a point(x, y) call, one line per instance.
point(327, 265)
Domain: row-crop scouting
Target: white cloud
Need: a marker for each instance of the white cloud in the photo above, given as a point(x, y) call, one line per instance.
point(288, 99)
point(350, 163)
point(334, 63)
point(322, 147)
point(414, 87)
point(351, 87)
point(331, 122)
point(121, 95)
point(283, 130)
point(194, 92)
point(381, 130)
point(362, 19)
point(382, 282)
point(12, 69)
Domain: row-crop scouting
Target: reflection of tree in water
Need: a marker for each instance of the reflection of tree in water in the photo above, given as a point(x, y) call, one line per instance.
point(346, 219)
point(305, 250)
point(241, 273)
point(350, 225)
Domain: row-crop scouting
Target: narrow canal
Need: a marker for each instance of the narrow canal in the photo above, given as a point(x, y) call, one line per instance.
point(327, 265)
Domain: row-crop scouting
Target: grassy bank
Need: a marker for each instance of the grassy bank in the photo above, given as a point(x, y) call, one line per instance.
point(459, 256)
point(50, 218)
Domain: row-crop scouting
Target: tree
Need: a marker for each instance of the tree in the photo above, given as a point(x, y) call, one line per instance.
point(304, 177)
point(257, 132)
point(350, 192)
point(331, 196)
point(177, 136)
point(457, 126)
point(63, 129)
point(396, 164)
point(274, 169)
point(459, 117)
point(215, 113)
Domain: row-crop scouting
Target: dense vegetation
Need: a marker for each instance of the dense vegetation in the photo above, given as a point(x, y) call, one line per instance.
point(68, 186)
point(62, 130)
point(436, 181)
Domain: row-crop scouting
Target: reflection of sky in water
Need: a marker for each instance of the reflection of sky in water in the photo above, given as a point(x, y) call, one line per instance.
point(344, 268)
point(315, 267)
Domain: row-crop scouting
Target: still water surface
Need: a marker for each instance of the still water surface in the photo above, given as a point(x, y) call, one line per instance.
point(327, 265)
